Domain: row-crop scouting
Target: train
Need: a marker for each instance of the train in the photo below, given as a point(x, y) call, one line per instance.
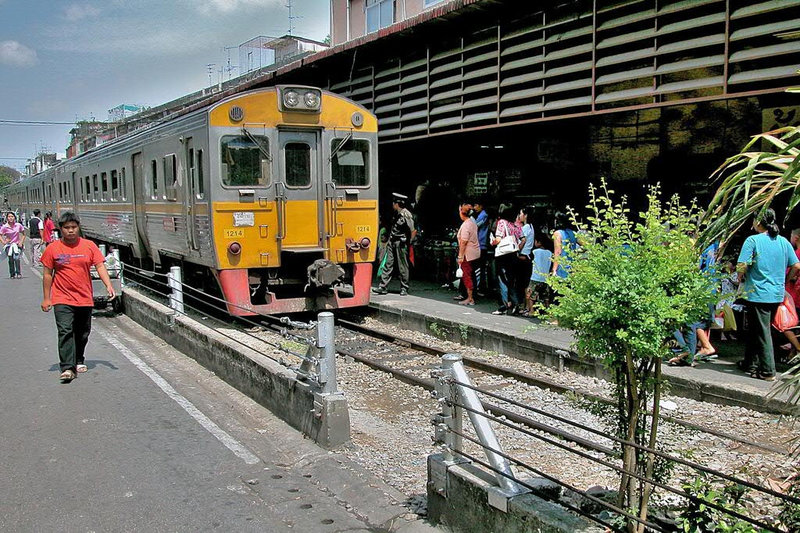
point(268, 198)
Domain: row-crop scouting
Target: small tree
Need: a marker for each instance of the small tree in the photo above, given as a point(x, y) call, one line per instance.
point(632, 283)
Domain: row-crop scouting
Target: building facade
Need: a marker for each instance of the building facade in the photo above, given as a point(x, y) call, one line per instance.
point(351, 19)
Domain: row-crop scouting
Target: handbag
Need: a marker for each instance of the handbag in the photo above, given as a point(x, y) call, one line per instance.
point(507, 245)
point(786, 315)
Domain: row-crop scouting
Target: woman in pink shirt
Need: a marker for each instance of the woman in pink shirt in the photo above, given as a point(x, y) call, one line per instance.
point(12, 235)
point(469, 251)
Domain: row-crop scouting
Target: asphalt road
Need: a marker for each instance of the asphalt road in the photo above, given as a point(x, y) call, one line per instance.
point(146, 440)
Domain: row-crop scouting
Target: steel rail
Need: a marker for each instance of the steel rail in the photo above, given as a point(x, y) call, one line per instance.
point(618, 469)
point(544, 383)
point(202, 313)
point(428, 384)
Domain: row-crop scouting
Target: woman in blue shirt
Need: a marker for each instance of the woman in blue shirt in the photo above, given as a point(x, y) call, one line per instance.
point(762, 267)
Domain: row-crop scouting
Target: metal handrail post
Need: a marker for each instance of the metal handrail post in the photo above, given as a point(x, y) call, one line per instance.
point(115, 254)
point(483, 429)
point(453, 415)
point(327, 352)
point(174, 283)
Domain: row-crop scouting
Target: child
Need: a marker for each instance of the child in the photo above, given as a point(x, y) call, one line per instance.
point(538, 290)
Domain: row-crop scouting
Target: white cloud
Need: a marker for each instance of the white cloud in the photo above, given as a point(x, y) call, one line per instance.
point(76, 12)
point(226, 6)
point(17, 55)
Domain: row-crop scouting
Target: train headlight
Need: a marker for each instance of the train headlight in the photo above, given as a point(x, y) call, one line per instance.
point(299, 99)
point(311, 99)
point(365, 242)
point(234, 248)
point(291, 99)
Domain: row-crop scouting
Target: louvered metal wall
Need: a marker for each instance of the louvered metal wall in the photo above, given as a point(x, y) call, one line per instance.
point(561, 62)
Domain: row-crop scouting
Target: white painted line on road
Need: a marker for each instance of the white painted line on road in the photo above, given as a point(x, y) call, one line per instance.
point(229, 442)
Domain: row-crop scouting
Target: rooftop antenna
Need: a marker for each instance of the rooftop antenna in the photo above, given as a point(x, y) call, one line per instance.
point(228, 67)
point(210, 69)
point(291, 16)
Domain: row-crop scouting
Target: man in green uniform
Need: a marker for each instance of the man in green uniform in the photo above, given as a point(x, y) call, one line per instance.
point(396, 258)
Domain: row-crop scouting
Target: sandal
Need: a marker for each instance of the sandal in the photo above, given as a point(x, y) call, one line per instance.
point(459, 298)
point(680, 360)
point(466, 302)
point(81, 368)
point(67, 375)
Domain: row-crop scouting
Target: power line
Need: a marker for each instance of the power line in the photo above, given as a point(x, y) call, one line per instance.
point(34, 123)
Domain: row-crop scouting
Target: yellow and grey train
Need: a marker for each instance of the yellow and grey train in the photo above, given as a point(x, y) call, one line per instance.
point(271, 195)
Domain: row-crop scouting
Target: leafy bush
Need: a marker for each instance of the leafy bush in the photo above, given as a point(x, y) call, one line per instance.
point(698, 517)
point(631, 284)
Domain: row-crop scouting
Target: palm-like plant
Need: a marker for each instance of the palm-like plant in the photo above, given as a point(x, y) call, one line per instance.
point(751, 180)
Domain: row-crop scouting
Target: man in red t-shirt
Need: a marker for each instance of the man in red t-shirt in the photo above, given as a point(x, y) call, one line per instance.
point(67, 289)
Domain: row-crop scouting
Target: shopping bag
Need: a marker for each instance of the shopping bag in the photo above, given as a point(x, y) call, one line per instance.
point(786, 315)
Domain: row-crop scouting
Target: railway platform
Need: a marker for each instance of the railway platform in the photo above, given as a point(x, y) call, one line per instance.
point(149, 440)
point(429, 308)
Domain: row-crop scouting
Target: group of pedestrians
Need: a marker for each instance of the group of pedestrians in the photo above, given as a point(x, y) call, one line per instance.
point(522, 257)
point(14, 235)
point(519, 256)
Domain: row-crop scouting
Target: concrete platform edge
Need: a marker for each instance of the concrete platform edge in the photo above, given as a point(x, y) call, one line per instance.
point(323, 418)
point(562, 357)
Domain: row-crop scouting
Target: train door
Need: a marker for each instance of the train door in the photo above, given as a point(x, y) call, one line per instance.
point(140, 209)
point(300, 192)
point(191, 192)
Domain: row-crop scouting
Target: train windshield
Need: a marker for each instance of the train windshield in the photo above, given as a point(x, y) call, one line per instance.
point(245, 161)
point(350, 164)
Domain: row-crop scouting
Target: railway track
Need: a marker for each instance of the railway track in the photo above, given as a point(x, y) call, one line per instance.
point(404, 365)
point(412, 361)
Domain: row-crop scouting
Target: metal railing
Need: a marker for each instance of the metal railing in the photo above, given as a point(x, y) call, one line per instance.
point(456, 395)
point(316, 364)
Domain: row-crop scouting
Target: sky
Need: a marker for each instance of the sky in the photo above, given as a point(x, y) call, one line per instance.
point(62, 61)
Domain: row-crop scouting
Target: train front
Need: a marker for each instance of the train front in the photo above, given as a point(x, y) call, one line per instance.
point(294, 200)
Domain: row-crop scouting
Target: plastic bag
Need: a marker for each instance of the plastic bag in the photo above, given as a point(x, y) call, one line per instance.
point(728, 318)
point(786, 315)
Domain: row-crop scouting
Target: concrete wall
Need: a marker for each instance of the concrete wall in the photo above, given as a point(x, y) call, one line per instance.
point(458, 497)
point(323, 418)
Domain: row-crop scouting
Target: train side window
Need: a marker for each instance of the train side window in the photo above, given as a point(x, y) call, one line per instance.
point(153, 179)
point(123, 194)
point(95, 188)
point(114, 185)
point(170, 177)
point(350, 164)
point(201, 193)
point(104, 185)
point(245, 161)
point(87, 193)
point(297, 164)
